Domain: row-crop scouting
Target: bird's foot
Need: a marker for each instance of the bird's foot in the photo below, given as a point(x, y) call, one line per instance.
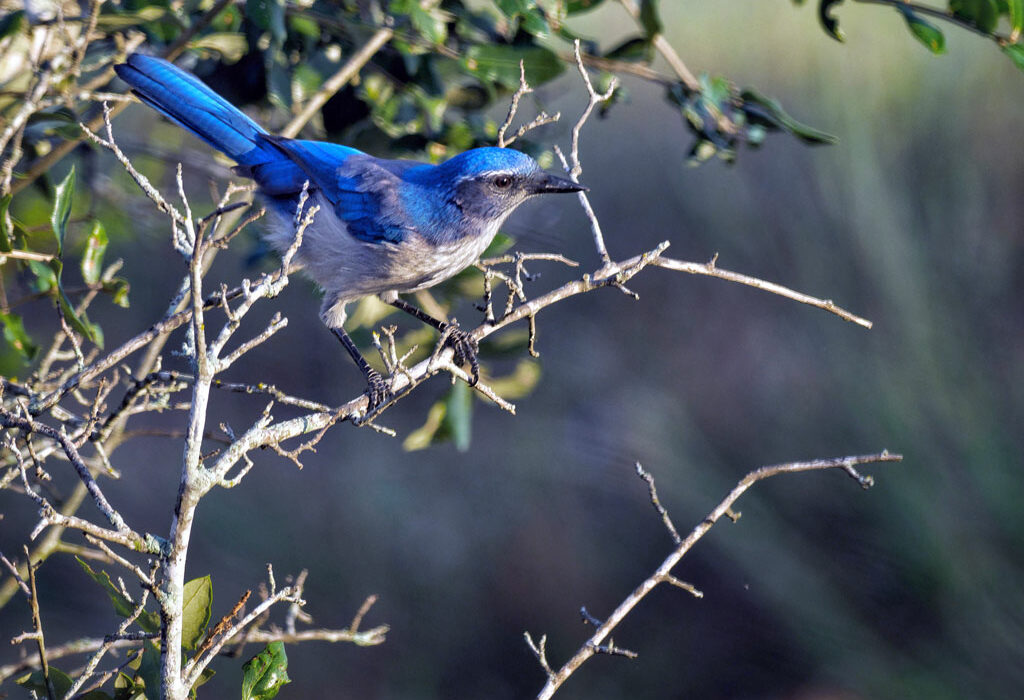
point(465, 348)
point(377, 391)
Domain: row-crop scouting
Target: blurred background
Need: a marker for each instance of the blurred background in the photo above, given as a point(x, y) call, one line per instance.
point(821, 590)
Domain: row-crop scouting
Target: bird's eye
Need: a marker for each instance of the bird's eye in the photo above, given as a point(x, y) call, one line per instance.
point(503, 182)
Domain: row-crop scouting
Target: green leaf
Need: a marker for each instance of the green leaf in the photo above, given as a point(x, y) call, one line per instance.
point(148, 621)
point(1016, 54)
point(830, 23)
point(304, 26)
point(206, 675)
point(422, 437)
point(45, 279)
point(432, 24)
point(1016, 12)
point(149, 670)
point(265, 673)
point(529, 16)
point(649, 18)
point(13, 23)
point(94, 695)
point(984, 14)
point(111, 20)
point(198, 601)
point(500, 63)
point(62, 209)
point(458, 417)
point(268, 15)
point(6, 235)
point(635, 49)
point(230, 45)
point(79, 322)
point(17, 337)
point(126, 687)
point(92, 258)
point(119, 288)
point(771, 114)
point(925, 32)
point(36, 682)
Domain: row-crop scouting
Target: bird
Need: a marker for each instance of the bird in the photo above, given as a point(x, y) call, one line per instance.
point(384, 227)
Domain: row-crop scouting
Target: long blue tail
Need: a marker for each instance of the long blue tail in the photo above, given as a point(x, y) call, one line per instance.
point(186, 100)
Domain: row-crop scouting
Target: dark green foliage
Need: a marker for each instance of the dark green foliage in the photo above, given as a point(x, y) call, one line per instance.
point(982, 16)
point(265, 673)
point(723, 117)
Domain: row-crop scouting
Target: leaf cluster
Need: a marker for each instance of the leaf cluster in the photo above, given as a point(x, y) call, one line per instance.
point(984, 17)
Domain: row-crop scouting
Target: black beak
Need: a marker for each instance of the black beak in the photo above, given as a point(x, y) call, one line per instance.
point(543, 183)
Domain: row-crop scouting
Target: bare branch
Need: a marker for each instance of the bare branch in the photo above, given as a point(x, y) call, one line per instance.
point(596, 643)
point(575, 169)
point(711, 269)
point(541, 119)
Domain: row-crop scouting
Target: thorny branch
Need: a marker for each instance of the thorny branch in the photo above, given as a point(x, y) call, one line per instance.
point(596, 644)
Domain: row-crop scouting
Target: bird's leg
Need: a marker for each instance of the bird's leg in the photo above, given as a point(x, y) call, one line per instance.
point(464, 346)
point(376, 388)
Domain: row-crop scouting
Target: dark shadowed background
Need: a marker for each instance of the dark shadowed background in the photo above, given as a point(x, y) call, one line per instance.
point(821, 590)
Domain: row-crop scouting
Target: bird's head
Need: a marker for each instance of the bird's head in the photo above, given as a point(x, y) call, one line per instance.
point(488, 183)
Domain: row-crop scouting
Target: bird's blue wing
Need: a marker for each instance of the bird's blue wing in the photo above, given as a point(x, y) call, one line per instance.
point(362, 189)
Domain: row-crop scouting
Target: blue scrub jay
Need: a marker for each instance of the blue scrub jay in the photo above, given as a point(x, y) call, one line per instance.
point(384, 227)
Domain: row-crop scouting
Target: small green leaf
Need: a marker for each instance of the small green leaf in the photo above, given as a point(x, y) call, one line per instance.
point(6, 235)
point(113, 20)
point(268, 15)
point(304, 26)
point(62, 208)
point(149, 670)
point(1016, 12)
point(119, 288)
point(265, 673)
point(92, 258)
point(649, 18)
point(126, 687)
point(458, 418)
point(432, 24)
point(925, 32)
point(148, 621)
point(36, 682)
point(17, 337)
point(500, 63)
point(1016, 54)
point(45, 279)
point(13, 23)
point(230, 45)
point(635, 49)
point(206, 675)
point(830, 23)
point(763, 111)
point(79, 322)
point(422, 437)
point(198, 601)
point(984, 14)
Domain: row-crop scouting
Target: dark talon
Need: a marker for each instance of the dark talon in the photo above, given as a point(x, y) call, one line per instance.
point(465, 348)
point(377, 391)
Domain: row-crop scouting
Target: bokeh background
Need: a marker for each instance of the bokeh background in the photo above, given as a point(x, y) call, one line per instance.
point(911, 589)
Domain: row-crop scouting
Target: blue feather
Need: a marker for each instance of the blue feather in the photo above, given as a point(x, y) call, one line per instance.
point(187, 101)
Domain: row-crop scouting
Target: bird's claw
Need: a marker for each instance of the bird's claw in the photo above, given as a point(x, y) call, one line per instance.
point(377, 391)
point(465, 349)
